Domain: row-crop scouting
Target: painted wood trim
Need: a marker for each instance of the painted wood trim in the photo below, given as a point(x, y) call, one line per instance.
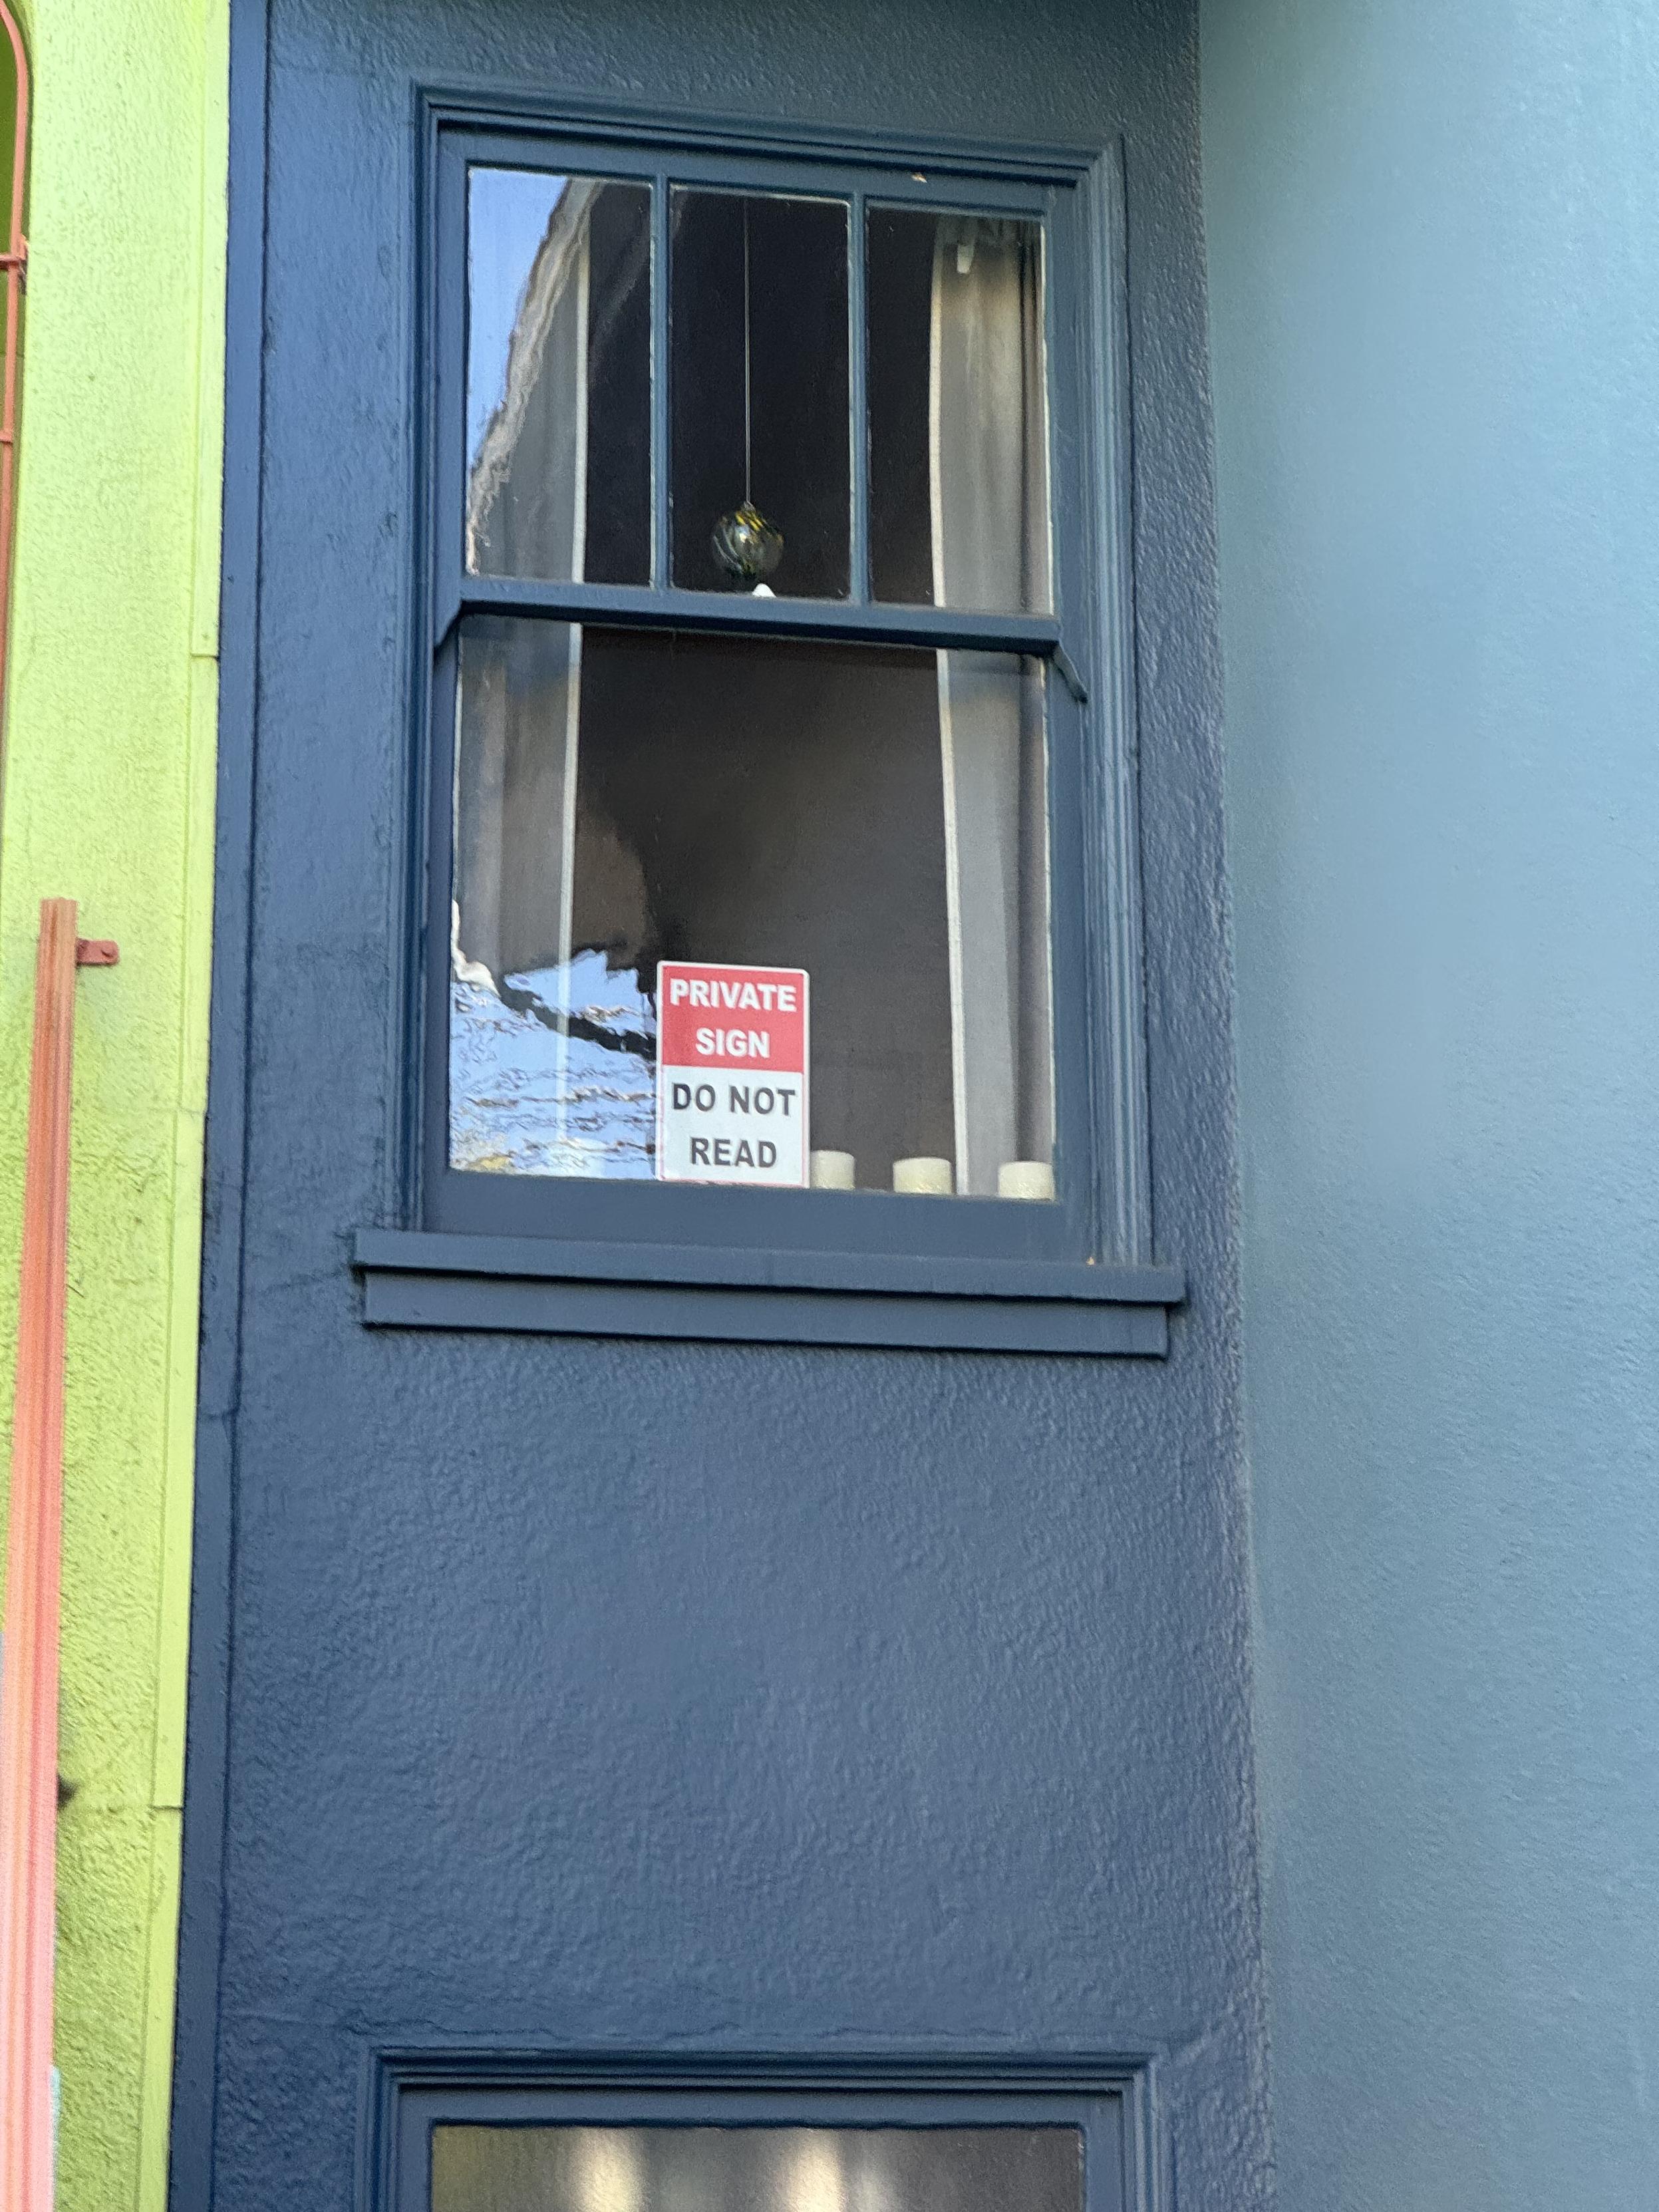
point(520, 1307)
point(29, 1681)
point(528, 1286)
point(1115, 915)
point(734, 1267)
point(505, 112)
point(721, 614)
point(408, 2091)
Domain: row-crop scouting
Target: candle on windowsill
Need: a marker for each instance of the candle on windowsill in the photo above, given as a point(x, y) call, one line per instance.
point(924, 1176)
point(1025, 1179)
point(834, 1171)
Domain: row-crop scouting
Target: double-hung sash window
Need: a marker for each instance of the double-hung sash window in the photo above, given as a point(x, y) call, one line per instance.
point(771, 858)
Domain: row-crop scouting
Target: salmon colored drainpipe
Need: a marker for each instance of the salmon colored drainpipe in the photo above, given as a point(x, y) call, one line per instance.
point(28, 1661)
point(28, 1675)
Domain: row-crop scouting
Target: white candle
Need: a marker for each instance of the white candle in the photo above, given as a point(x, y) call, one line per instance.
point(932, 1178)
point(833, 1171)
point(1025, 1179)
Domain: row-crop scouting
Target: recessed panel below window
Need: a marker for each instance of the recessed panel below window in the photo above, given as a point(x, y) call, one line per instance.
point(834, 857)
point(757, 2169)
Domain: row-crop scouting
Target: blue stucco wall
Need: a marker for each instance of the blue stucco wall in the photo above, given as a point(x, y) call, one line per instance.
point(1433, 239)
point(557, 1696)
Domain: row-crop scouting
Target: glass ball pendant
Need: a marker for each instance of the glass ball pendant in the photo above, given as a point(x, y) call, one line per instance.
point(746, 544)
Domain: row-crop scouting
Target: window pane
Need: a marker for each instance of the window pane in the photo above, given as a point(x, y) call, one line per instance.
point(703, 2169)
point(760, 395)
point(558, 378)
point(875, 818)
point(958, 419)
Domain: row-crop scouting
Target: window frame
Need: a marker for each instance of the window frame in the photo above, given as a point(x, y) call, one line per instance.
point(415, 2091)
point(892, 1249)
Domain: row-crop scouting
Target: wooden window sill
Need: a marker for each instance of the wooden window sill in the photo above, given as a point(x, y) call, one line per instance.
point(415, 1279)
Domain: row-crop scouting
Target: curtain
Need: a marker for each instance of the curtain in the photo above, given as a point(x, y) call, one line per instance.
point(987, 458)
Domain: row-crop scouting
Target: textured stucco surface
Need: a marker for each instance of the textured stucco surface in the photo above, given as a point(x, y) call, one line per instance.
point(684, 1698)
point(1434, 260)
point(108, 798)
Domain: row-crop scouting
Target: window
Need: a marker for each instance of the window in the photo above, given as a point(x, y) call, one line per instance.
point(780, 892)
point(565, 2168)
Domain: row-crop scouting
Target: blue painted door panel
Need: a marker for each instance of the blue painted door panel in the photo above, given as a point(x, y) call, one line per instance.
point(557, 1695)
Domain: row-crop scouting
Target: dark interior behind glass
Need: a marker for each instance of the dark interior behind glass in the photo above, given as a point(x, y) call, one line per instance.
point(755, 2169)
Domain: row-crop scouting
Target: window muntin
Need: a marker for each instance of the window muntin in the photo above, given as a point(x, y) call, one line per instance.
point(701, 2168)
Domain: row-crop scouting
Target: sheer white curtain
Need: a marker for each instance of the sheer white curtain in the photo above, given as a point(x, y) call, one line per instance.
point(988, 455)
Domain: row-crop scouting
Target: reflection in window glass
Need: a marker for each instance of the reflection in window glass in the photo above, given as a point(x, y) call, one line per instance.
point(558, 378)
point(705, 2169)
point(760, 393)
point(958, 424)
point(877, 817)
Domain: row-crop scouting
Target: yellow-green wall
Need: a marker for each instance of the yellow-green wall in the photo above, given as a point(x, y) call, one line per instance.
point(107, 798)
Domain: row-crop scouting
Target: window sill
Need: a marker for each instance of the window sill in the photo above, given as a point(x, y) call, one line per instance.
point(415, 1279)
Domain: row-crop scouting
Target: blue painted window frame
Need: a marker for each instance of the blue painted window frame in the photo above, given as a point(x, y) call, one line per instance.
point(569, 1254)
point(417, 2095)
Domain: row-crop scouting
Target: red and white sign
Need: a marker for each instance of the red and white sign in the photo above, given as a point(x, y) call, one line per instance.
point(731, 1073)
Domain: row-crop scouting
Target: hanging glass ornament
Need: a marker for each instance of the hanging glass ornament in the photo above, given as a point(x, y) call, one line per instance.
point(746, 545)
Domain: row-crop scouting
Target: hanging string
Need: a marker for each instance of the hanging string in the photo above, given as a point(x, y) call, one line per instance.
point(748, 382)
point(746, 545)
